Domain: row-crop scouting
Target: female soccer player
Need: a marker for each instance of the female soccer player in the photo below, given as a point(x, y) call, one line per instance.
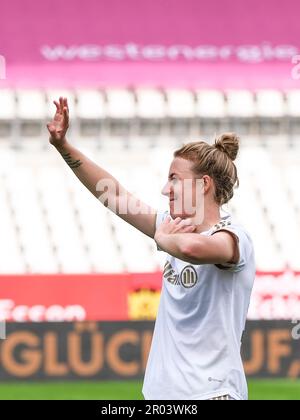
point(209, 272)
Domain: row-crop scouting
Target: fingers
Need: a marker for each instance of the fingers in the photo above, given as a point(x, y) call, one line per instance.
point(177, 220)
point(52, 132)
point(188, 229)
point(51, 128)
point(182, 222)
point(57, 106)
point(183, 226)
point(61, 104)
point(66, 114)
point(66, 105)
point(62, 109)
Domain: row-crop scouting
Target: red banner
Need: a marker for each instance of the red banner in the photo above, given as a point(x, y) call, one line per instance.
point(276, 295)
point(111, 297)
point(132, 296)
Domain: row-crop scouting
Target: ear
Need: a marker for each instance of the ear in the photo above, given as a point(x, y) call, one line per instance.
point(207, 182)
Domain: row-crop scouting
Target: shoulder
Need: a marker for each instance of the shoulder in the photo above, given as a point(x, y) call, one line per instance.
point(242, 240)
point(230, 225)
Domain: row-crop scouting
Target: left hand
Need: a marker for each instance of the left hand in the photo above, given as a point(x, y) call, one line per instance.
point(170, 226)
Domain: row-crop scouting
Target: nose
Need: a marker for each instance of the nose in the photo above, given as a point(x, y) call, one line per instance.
point(166, 189)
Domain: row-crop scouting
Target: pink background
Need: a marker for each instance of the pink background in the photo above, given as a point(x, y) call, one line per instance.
point(27, 25)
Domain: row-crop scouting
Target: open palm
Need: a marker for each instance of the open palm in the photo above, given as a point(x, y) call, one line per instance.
point(58, 127)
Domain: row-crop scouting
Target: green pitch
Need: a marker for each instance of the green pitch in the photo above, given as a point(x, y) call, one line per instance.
point(130, 390)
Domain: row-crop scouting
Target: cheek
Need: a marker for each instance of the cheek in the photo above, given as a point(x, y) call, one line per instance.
point(188, 193)
point(192, 198)
point(177, 190)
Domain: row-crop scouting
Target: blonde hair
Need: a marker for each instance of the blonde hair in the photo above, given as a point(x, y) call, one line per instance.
point(216, 161)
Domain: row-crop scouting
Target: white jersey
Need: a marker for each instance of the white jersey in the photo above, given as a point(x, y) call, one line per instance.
point(195, 350)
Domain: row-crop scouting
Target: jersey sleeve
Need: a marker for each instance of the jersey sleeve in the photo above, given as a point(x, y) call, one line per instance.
point(243, 246)
point(160, 218)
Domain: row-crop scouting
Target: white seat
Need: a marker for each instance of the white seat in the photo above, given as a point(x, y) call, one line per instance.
point(91, 105)
point(104, 254)
point(11, 260)
point(293, 103)
point(270, 103)
point(210, 104)
point(120, 104)
point(180, 103)
point(31, 105)
point(7, 105)
point(40, 258)
point(240, 104)
point(294, 261)
point(150, 104)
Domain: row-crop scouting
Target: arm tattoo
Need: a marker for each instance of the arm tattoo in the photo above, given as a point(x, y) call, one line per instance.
point(70, 161)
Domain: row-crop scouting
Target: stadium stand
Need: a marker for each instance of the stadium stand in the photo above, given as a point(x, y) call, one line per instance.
point(50, 224)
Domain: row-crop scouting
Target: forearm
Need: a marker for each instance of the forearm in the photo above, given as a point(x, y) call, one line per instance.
point(198, 249)
point(179, 245)
point(92, 176)
point(109, 191)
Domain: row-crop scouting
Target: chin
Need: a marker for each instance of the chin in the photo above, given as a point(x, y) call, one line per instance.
point(174, 215)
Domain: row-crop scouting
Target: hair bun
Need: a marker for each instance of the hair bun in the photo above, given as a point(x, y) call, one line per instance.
point(228, 143)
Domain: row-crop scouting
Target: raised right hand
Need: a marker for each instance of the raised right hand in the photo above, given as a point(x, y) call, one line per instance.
point(58, 127)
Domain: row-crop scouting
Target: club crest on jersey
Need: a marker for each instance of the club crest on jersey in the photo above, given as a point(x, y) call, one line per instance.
point(188, 276)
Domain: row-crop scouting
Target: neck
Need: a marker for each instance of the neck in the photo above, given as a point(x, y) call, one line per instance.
point(210, 218)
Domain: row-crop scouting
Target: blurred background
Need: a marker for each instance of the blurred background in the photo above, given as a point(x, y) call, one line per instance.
point(78, 287)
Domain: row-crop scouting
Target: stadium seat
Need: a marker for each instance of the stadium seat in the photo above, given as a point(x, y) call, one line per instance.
point(271, 111)
point(151, 111)
point(210, 104)
point(293, 110)
point(121, 111)
point(180, 103)
point(31, 105)
point(270, 103)
point(120, 104)
point(7, 112)
point(151, 104)
point(50, 223)
point(91, 112)
point(211, 111)
point(293, 103)
point(181, 111)
point(90, 105)
point(240, 104)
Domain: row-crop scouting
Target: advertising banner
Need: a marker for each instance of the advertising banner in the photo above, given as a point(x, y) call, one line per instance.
point(119, 350)
point(171, 43)
point(123, 297)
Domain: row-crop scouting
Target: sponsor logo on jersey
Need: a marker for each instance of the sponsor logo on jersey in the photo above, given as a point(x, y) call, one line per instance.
point(170, 275)
point(188, 277)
